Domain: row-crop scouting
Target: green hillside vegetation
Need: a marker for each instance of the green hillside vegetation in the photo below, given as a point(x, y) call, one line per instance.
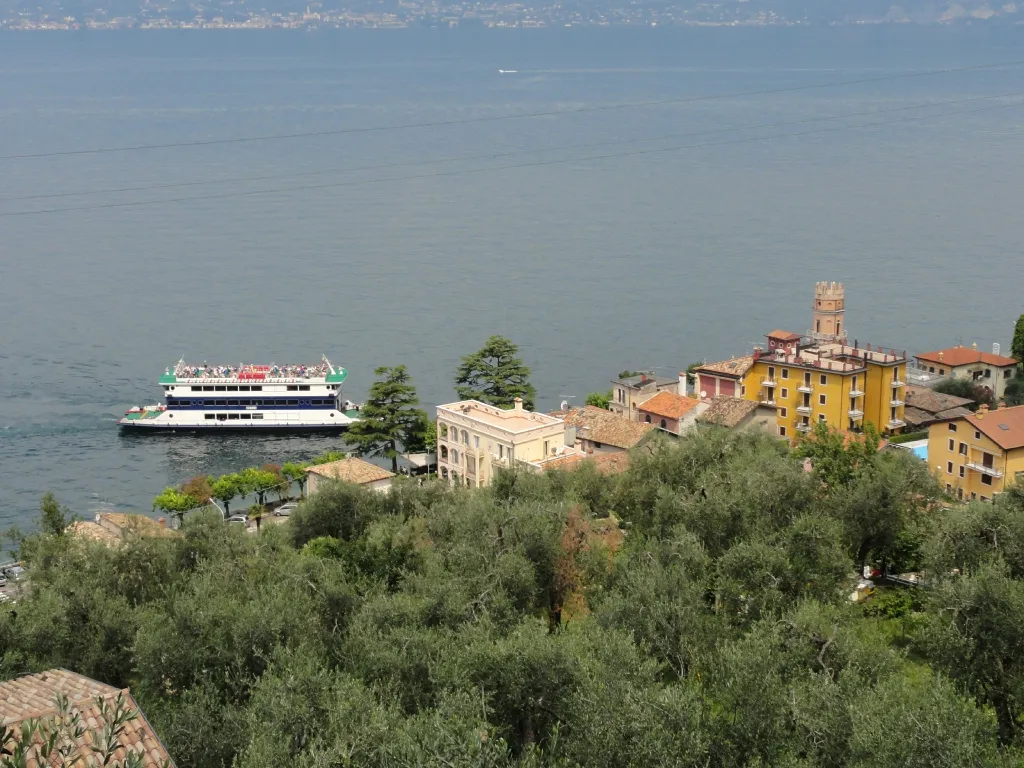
point(692, 611)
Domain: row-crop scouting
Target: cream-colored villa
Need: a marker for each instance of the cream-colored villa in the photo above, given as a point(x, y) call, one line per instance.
point(474, 438)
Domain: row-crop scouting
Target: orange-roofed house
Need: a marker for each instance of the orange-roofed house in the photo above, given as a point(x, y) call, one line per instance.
point(989, 370)
point(350, 470)
point(33, 697)
point(977, 455)
point(671, 412)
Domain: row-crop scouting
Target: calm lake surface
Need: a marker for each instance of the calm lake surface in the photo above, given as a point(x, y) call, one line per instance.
point(686, 240)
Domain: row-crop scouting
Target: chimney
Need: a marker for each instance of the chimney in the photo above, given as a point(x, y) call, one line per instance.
point(519, 404)
point(941, 356)
point(643, 377)
point(974, 346)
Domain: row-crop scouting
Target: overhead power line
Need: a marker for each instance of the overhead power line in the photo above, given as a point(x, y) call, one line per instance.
point(489, 169)
point(496, 155)
point(496, 118)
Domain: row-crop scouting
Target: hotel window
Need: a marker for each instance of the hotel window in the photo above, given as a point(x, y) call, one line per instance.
point(986, 479)
point(952, 427)
point(963, 449)
point(824, 380)
point(501, 451)
point(961, 470)
point(783, 413)
point(821, 417)
point(782, 431)
point(949, 488)
point(785, 393)
point(1007, 373)
point(854, 384)
point(546, 448)
point(949, 467)
point(476, 441)
point(952, 444)
point(960, 494)
point(977, 435)
point(821, 399)
point(785, 373)
point(771, 372)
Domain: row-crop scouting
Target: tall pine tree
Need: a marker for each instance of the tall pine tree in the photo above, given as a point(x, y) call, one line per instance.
point(495, 375)
point(1017, 346)
point(389, 416)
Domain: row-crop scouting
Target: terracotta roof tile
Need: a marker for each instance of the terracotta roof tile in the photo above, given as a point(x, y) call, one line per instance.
point(737, 366)
point(915, 417)
point(669, 405)
point(1004, 426)
point(728, 411)
point(121, 523)
point(351, 470)
point(784, 335)
point(32, 696)
point(957, 356)
point(87, 529)
point(601, 426)
point(605, 463)
point(933, 402)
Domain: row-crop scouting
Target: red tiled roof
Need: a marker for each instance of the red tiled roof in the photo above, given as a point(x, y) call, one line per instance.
point(605, 427)
point(669, 405)
point(784, 335)
point(736, 367)
point(32, 696)
point(1004, 426)
point(957, 356)
point(728, 411)
point(351, 470)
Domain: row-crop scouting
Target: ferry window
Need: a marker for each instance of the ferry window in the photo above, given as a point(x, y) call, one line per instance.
point(232, 389)
point(221, 402)
point(257, 415)
point(232, 415)
point(293, 388)
point(293, 402)
point(304, 388)
point(257, 402)
point(209, 416)
point(243, 402)
point(243, 388)
point(220, 389)
point(197, 389)
point(207, 389)
point(244, 416)
point(257, 389)
point(184, 403)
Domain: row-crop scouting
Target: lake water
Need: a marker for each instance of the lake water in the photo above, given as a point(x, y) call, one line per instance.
point(638, 259)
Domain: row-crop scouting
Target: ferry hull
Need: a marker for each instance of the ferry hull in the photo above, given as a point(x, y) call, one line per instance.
point(135, 427)
point(236, 421)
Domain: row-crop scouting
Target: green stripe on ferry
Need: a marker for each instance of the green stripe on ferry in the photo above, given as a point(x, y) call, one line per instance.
point(338, 377)
point(168, 378)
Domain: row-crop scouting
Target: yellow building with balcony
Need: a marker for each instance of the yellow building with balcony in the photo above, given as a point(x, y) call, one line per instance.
point(845, 386)
point(978, 455)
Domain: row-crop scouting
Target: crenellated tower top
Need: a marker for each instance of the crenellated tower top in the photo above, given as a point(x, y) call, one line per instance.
point(827, 323)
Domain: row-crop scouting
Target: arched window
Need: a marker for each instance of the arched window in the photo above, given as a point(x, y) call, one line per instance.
point(444, 431)
point(455, 456)
point(444, 473)
point(647, 418)
point(444, 453)
point(455, 478)
point(663, 424)
point(465, 437)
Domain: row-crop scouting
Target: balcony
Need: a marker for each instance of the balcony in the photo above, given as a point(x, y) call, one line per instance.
point(984, 469)
point(856, 393)
point(856, 413)
point(768, 402)
point(803, 410)
point(803, 427)
point(897, 383)
point(895, 403)
point(805, 388)
point(895, 423)
point(768, 381)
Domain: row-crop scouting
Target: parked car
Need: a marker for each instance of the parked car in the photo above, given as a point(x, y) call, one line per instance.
point(3, 580)
point(15, 572)
point(286, 509)
point(238, 519)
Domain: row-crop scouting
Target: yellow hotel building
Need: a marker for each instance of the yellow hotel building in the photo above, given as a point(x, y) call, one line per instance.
point(817, 377)
point(978, 455)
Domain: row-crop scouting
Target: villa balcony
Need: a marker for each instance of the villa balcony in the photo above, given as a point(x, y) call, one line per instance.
point(856, 413)
point(856, 393)
point(804, 410)
point(895, 403)
point(769, 382)
point(895, 423)
point(805, 388)
point(896, 383)
point(984, 469)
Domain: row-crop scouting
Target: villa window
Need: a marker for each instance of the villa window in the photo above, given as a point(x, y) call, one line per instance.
point(647, 418)
point(444, 453)
point(821, 417)
point(465, 437)
point(952, 444)
point(986, 479)
point(444, 431)
point(454, 456)
point(949, 467)
point(476, 441)
point(782, 431)
point(952, 427)
point(961, 470)
point(785, 373)
point(821, 399)
point(977, 435)
point(663, 424)
point(963, 448)
point(783, 412)
point(824, 380)
point(784, 394)
point(960, 494)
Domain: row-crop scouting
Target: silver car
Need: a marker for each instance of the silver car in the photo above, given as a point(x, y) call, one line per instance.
point(286, 509)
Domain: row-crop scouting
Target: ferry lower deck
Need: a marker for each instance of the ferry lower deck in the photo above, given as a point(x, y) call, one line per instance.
point(159, 418)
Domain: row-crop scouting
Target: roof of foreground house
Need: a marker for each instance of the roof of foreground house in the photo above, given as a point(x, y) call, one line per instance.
point(32, 697)
point(605, 463)
point(728, 411)
point(601, 426)
point(351, 470)
point(669, 405)
point(929, 400)
point(1004, 426)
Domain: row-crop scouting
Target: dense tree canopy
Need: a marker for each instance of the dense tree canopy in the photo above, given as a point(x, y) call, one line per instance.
point(390, 418)
point(691, 611)
point(495, 375)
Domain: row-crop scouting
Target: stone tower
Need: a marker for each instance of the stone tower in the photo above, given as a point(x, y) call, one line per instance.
point(828, 323)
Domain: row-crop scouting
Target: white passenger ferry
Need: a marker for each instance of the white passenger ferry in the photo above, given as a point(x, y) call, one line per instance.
point(280, 398)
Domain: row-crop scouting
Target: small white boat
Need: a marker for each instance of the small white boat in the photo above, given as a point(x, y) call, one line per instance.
point(507, 71)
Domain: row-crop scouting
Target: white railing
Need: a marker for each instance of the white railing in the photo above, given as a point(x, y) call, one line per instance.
point(804, 409)
point(806, 388)
point(856, 393)
point(895, 403)
point(895, 423)
point(802, 427)
point(984, 469)
point(856, 413)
